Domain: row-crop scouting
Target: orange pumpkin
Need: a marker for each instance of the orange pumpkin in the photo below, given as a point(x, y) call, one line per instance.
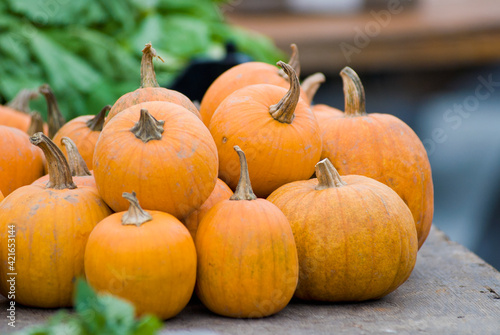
point(161, 150)
point(382, 147)
point(84, 131)
point(17, 113)
point(275, 128)
point(147, 258)
point(150, 90)
point(355, 237)
point(247, 259)
point(1, 196)
point(243, 75)
point(55, 118)
point(51, 227)
point(220, 192)
point(20, 162)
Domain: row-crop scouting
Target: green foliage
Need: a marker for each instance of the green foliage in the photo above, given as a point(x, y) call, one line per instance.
point(97, 315)
point(89, 51)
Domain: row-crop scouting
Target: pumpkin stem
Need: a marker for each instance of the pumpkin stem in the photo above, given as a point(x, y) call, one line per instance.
point(56, 120)
point(148, 75)
point(76, 163)
point(244, 188)
point(59, 171)
point(294, 62)
point(327, 175)
point(22, 100)
point(354, 93)
point(97, 122)
point(311, 84)
point(148, 128)
point(135, 214)
point(36, 124)
point(284, 110)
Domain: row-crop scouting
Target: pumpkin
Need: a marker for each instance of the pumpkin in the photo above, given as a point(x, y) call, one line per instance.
point(243, 75)
point(161, 150)
point(247, 258)
point(356, 239)
point(51, 227)
point(220, 192)
point(275, 128)
point(17, 113)
point(79, 171)
point(150, 90)
point(147, 258)
point(55, 118)
point(84, 131)
point(20, 162)
point(1, 196)
point(323, 112)
point(382, 147)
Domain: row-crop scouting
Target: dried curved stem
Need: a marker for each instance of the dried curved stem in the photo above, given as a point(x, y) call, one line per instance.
point(284, 110)
point(36, 124)
point(311, 84)
point(244, 188)
point(21, 101)
point(76, 163)
point(135, 214)
point(59, 171)
point(354, 93)
point(294, 62)
point(327, 175)
point(97, 122)
point(148, 75)
point(148, 128)
point(54, 116)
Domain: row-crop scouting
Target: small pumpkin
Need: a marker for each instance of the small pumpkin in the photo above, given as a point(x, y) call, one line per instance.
point(220, 192)
point(247, 259)
point(356, 239)
point(55, 119)
point(17, 113)
point(51, 226)
point(161, 150)
point(20, 162)
point(145, 257)
point(150, 90)
point(275, 128)
point(382, 147)
point(84, 131)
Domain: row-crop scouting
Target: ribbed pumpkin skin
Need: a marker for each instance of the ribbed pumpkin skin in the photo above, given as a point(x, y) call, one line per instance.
point(355, 242)
point(277, 153)
point(247, 260)
point(383, 147)
point(220, 192)
point(21, 163)
point(175, 174)
point(146, 94)
point(237, 77)
point(153, 266)
point(84, 138)
point(52, 227)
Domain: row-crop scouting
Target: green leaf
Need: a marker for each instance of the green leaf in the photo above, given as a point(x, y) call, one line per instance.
point(148, 325)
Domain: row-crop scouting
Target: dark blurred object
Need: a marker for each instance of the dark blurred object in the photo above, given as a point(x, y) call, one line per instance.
point(201, 72)
point(384, 4)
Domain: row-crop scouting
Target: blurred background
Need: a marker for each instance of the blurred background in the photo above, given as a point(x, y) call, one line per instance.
point(433, 63)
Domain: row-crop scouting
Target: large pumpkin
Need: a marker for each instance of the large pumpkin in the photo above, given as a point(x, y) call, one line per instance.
point(275, 128)
point(150, 90)
point(355, 237)
point(51, 225)
point(247, 259)
point(162, 151)
point(382, 147)
point(17, 113)
point(147, 258)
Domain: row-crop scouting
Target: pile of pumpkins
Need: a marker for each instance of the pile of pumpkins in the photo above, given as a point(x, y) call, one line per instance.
point(327, 205)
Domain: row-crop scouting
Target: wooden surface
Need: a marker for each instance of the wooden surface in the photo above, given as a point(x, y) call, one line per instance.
point(431, 34)
point(451, 291)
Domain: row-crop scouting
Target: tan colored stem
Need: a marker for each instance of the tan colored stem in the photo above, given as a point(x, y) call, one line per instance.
point(54, 116)
point(135, 214)
point(76, 163)
point(148, 128)
point(59, 171)
point(354, 93)
point(97, 122)
point(148, 75)
point(284, 110)
point(244, 188)
point(327, 175)
point(311, 84)
point(21, 101)
point(294, 62)
point(36, 124)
